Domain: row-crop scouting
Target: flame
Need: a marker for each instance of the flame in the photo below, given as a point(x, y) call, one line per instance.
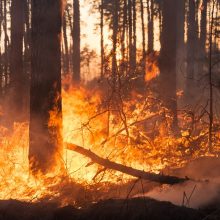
point(152, 70)
point(121, 133)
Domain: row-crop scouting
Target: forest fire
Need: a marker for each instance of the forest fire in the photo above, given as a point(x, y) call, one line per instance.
point(87, 123)
point(109, 109)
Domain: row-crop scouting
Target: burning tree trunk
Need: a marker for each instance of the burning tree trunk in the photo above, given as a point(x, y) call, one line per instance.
point(125, 169)
point(76, 40)
point(45, 99)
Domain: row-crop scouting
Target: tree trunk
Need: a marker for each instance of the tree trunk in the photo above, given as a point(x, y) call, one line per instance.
point(102, 38)
point(27, 59)
point(114, 40)
point(6, 43)
point(66, 53)
point(45, 94)
point(1, 70)
point(143, 33)
point(76, 40)
point(191, 50)
point(130, 33)
point(167, 60)
point(150, 17)
point(16, 58)
point(134, 44)
point(180, 44)
point(203, 32)
point(123, 66)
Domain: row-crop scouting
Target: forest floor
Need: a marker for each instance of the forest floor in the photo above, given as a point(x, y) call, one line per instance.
point(132, 209)
point(138, 205)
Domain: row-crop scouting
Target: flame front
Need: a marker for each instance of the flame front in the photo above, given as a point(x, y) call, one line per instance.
point(135, 135)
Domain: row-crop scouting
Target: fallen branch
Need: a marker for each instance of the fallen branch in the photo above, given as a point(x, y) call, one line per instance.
point(125, 169)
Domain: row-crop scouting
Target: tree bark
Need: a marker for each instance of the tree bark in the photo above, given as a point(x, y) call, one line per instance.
point(191, 49)
point(203, 35)
point(16, 58)
point(102, 37)
point(1, 69)
point(125, 169)
point(6, 45)
point(76, 40)
point(123, 66)
point(143, 33)
point(114, 41)
point(66, 53)
point(130, 35)
point(150, 17)
point(167, 59)
point(181, 55)
point(134, 44)
point(45, 94)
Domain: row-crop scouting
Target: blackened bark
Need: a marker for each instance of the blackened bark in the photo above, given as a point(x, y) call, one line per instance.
point(76, 40)
point(45, 93)
point(167, 60)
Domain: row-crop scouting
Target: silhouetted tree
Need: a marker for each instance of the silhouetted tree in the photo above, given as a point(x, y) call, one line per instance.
point(16, 57)
point(65, 41)
point(191, 46)
point(45, 93)
point(150, 25)
point(167, 60)
point(76, 40)
point(102, 36)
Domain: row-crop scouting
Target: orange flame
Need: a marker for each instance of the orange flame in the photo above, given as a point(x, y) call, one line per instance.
point(88, 124)
point(152, 71)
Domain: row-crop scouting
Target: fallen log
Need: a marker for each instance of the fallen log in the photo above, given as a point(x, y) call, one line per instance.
point(160, 178)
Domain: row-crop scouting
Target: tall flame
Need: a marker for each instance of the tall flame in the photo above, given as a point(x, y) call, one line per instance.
point(136, 134)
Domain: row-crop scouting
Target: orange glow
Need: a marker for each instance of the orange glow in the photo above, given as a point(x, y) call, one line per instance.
point(152, 70)
point(88, 124)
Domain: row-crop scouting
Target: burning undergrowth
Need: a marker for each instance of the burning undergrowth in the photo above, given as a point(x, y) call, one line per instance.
point(133, 129)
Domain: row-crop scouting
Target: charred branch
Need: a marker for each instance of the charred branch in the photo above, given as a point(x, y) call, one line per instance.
point(160, 178)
